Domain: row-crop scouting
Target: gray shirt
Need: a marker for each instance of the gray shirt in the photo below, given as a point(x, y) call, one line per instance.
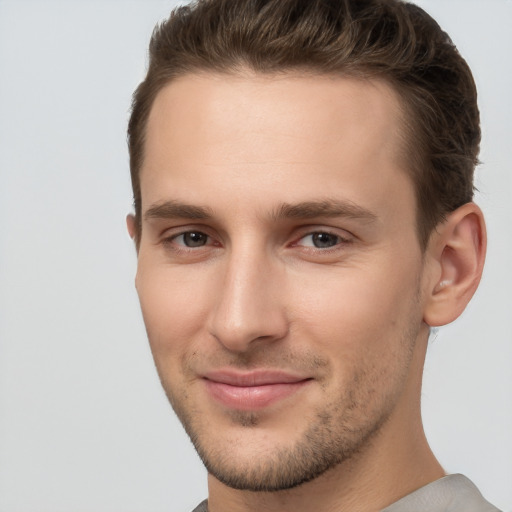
point(453, 493)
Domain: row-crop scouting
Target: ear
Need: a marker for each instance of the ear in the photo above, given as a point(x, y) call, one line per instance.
point(457, 250)
point(132, 227)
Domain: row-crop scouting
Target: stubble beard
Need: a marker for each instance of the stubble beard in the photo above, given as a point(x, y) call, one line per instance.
point(333, 437)
point(340, 431)
point(311, 456)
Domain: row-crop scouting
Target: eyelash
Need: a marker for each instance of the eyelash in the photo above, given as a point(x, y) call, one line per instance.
point(341, 241)
point(169, 242)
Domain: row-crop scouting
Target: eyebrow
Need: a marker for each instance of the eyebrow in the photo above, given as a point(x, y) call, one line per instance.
point(324, 208)
point(329, 208)
point(176, 210)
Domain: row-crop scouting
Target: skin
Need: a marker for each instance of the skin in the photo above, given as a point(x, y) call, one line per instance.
point(243, 177)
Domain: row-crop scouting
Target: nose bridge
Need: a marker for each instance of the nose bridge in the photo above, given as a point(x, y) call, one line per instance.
point(249, 305)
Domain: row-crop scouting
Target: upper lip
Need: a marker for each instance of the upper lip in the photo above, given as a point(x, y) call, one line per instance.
point(253, 378)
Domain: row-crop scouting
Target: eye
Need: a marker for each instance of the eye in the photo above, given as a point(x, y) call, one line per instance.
point(191, 239)
point(320, 240)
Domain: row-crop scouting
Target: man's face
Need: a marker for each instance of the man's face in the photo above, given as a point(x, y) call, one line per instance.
point(280, 274)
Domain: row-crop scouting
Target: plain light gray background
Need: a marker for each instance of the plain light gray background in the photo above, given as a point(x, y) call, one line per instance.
point(84, 425)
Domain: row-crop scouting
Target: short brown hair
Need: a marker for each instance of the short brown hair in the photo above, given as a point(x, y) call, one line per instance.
point(387, 39)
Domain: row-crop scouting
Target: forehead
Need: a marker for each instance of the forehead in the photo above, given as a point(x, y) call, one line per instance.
point(273, 137)
point(310, 106)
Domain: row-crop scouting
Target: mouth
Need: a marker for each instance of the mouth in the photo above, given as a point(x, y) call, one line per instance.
point(253, 390)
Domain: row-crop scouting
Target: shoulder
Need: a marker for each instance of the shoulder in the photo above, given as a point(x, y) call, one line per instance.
point(202, 507)
point(453, 493)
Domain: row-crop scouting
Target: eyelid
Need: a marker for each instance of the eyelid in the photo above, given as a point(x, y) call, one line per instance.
point(169, 236)
point(344, 235)
point(179, 229)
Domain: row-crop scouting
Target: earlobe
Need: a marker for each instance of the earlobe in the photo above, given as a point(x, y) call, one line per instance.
point(458, 249)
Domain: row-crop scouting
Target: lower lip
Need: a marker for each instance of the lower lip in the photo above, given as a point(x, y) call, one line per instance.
point(249, 398)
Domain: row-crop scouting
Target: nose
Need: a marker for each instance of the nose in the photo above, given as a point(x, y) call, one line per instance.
point(249, 304)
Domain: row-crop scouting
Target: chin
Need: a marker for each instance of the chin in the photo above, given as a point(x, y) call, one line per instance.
point(246, 461)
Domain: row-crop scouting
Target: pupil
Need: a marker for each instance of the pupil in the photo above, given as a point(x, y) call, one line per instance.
point(322, 240)
point(194, 239)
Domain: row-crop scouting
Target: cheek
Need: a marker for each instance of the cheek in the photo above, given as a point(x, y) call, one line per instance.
point(173, 307)
point(366, 328)
point(359, 313)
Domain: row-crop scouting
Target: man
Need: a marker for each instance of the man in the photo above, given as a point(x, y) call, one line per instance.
point(302, 175)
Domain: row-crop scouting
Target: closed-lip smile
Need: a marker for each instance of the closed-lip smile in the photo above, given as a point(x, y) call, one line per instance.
point(252, 390)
